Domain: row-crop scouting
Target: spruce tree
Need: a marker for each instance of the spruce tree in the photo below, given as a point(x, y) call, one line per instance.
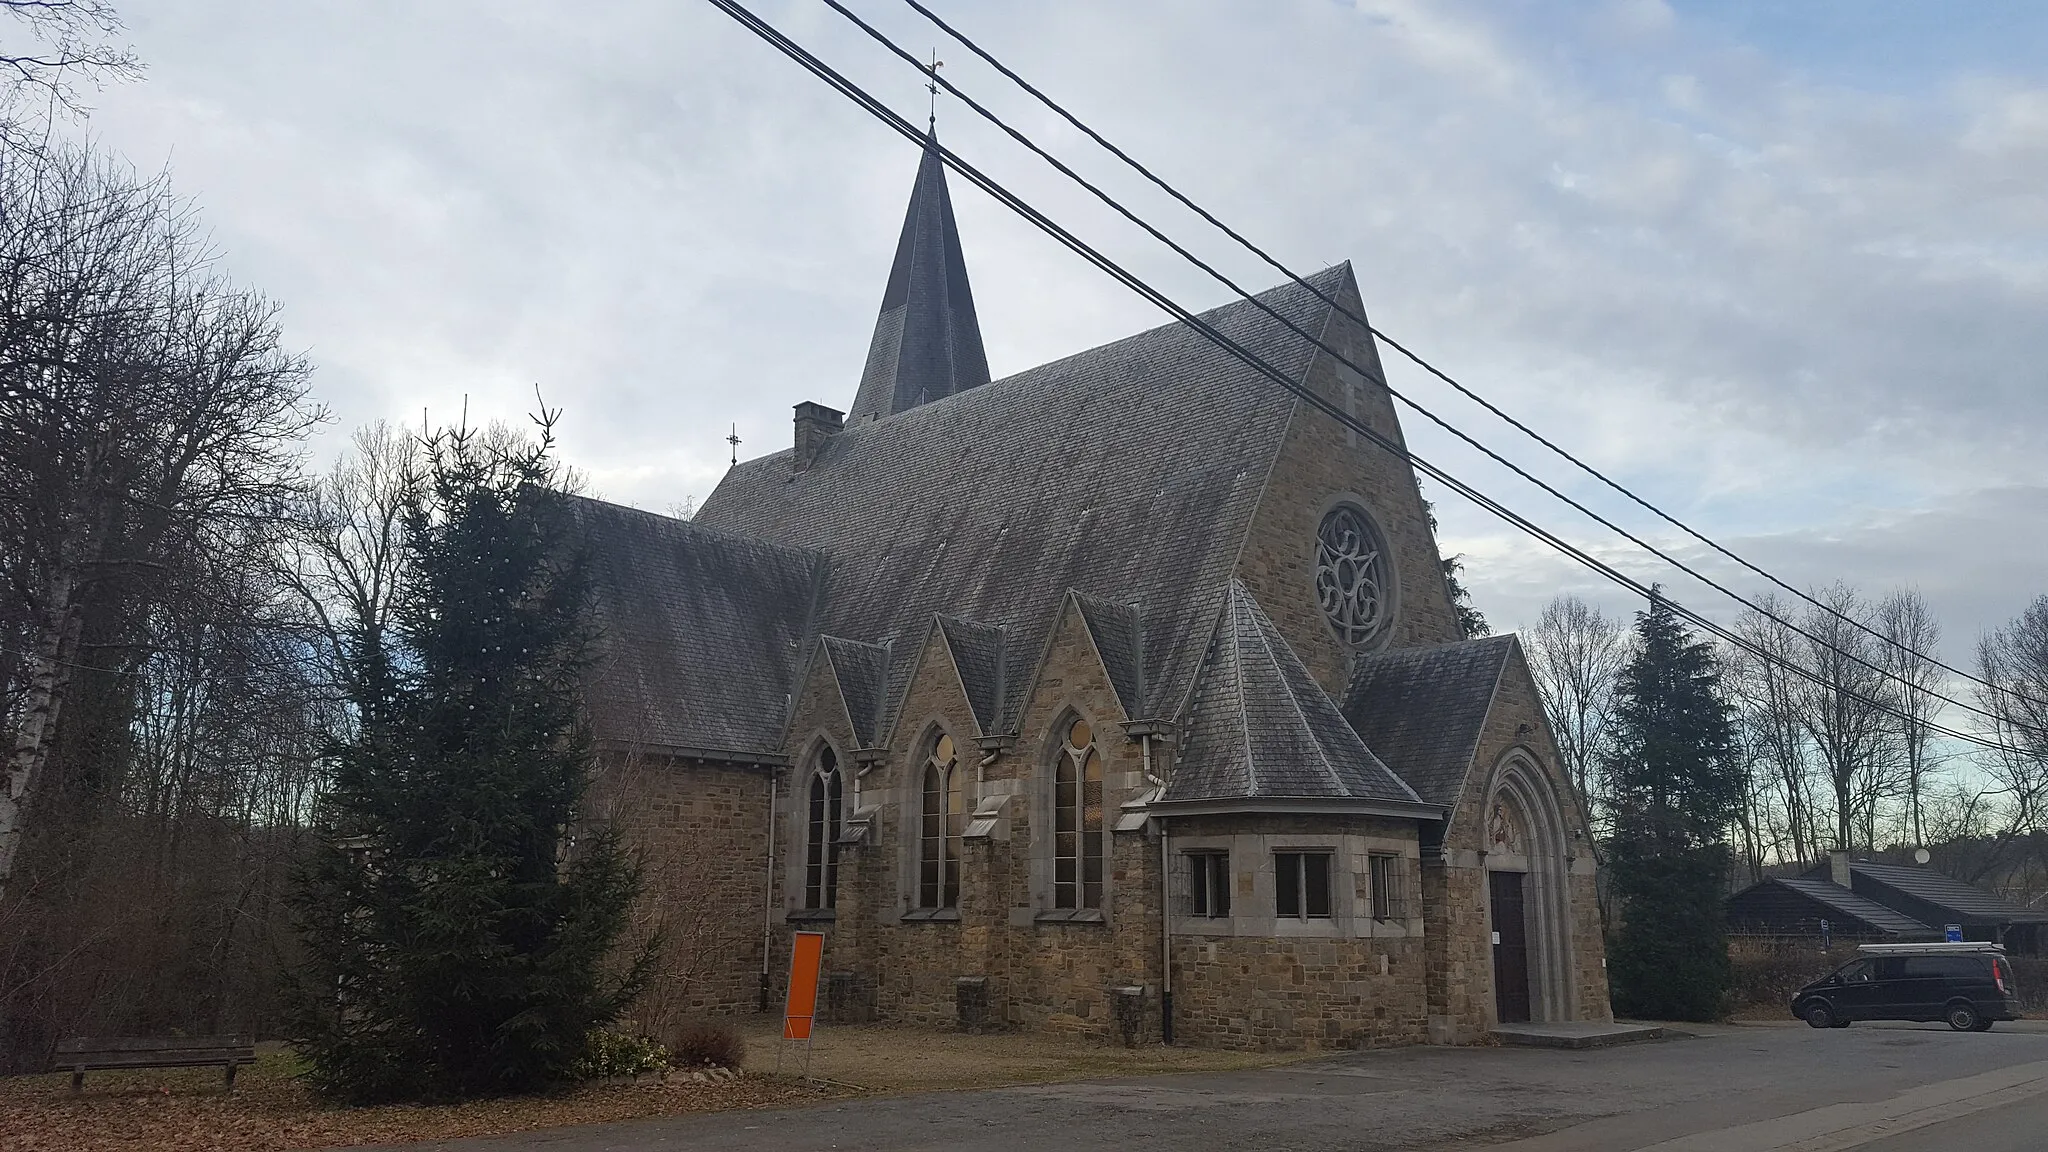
point(1676, 786)
point(457, 921)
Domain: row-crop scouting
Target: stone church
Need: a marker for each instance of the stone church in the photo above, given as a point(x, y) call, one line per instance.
point(1122, 695)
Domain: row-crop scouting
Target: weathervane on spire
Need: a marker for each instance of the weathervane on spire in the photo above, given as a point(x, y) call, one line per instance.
point(733, 438)
point(932, 86)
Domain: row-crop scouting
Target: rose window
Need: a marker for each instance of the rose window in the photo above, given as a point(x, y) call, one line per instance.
point(1351, 575)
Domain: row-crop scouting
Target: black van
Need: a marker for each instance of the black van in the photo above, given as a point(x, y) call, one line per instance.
point(1967, 985)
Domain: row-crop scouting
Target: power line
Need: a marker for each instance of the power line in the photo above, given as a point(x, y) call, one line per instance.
point(1016, 204)
point(1380, 380)
point(1403, 349)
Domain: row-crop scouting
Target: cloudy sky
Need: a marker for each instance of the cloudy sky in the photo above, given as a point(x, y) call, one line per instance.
point(1782, 268)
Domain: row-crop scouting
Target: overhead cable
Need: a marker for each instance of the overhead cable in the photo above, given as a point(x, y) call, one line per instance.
point(1368, 372)
point(1411, 355)
point(1004, 196)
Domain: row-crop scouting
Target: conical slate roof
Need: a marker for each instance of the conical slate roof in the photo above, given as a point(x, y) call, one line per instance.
point(1261, 729)
point(927, 342)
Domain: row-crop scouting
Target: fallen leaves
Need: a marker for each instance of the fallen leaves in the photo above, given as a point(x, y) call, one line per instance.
point(184, 1110)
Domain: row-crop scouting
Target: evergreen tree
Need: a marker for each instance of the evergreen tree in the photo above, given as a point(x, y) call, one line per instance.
point(1675, 788)
point(459, 922)
point(1471, 621)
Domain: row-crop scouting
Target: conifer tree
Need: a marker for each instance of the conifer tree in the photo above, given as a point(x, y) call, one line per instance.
point(458, 923)
point(1675, 788)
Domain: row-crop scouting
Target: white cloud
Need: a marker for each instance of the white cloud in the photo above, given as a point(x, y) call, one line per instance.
point(1793, 310)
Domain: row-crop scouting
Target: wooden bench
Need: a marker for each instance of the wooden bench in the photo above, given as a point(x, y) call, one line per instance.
point(82, 1055)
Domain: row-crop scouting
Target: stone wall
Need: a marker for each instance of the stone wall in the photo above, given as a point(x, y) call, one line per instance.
point(1320, 462)
point(702, 830)
point(1461, 968)
point(1037, 969)
point(1256, 980)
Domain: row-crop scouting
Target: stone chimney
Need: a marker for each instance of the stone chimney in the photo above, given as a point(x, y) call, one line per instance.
point(1838, 868)
point(815, 424)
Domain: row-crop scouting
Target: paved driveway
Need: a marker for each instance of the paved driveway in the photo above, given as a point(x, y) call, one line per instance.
point(1884, 1088)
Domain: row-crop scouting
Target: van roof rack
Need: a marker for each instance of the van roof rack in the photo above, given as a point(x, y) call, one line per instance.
point(1917, 949)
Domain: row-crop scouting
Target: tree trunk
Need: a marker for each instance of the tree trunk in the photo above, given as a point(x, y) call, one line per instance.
point(50, 676)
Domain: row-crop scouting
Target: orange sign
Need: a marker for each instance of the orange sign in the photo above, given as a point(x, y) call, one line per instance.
point(805, 958)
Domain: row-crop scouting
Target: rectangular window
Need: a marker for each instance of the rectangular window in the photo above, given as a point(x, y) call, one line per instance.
point(1209, 884)
point(1301, 885)
point(1389, 901)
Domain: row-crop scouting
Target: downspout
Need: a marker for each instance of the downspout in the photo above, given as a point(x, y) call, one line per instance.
point(768, 893)
point(1165, 908)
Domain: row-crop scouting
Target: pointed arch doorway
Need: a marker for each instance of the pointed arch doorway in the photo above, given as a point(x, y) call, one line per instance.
point(1528, 896)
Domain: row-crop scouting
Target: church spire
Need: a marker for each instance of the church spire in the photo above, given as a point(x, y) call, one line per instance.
point(927, 343)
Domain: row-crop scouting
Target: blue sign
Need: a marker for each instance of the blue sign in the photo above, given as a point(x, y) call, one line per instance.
point(1955, 933)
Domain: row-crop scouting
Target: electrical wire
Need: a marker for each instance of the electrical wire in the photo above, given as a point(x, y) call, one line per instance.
point(1004, 196)
point(1379, 379)
point(1411, 355)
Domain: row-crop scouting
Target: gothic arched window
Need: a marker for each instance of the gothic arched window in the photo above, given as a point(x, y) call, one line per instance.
point(1352, 575)
point(821, 834)
point(938, 857)
point(1077, 840)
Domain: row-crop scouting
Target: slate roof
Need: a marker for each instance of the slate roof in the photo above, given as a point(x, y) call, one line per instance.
point(1846, 903)
point(991, 504)
point(977, 651)
point(927, 341)
point(1958, 902)
point(1421, 709)
point(700, 632)
point(1117, 632)
point(862, 672)
point(1261, 728)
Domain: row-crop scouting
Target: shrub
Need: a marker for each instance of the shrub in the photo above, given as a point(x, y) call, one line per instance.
point(607, 1054)
point(698, 1043)
point(1767, 972)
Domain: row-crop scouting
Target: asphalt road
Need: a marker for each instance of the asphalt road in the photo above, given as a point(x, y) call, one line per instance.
point(1876, 1088)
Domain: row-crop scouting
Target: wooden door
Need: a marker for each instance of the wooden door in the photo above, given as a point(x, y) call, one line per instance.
point(1510, 947)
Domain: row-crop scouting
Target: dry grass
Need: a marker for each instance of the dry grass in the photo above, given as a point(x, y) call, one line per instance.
point(184, 1110)
point(881, 1058)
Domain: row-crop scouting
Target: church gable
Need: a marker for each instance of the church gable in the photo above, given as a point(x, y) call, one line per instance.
point(1516, 728)
point(1422, 710)
point(1340, 551)
point(1127, 473)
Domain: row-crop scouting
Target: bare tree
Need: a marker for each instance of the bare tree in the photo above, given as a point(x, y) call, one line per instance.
point(1576, 654)
point(1843, 707)
point(1911, 634)
point(2012, 662)
point(1767, 694)
point(345, 544)
point(66, 43)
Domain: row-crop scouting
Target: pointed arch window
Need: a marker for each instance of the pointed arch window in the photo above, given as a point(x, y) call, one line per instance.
point(1077, 848)
point(938, 860)
point(821, 833)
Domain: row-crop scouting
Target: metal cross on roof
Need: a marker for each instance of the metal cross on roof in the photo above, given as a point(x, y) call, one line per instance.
point(733, 438)
point(932, 86)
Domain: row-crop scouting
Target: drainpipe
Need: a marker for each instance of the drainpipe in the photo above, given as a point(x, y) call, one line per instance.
point(768, 894)
point(1165, 938)
point(1165, 907)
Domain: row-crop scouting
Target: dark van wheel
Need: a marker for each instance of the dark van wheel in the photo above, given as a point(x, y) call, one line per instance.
point(1820, 1015)
point(1962, 1017)
point(1982, 1026)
